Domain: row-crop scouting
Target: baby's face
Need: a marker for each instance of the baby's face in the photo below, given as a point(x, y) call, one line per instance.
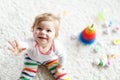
point(44, 33)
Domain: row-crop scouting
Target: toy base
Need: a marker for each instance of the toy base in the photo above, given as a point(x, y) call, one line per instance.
point(85, 41)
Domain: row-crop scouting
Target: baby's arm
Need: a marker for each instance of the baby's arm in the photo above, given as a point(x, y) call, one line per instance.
point(60, 52)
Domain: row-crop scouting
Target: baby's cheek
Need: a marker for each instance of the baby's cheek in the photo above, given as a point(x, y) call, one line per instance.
point(36, 32)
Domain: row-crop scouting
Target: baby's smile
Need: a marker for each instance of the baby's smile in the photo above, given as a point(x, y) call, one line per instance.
point(42, 37)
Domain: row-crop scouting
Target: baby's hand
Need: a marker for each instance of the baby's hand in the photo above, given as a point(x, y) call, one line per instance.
point(58, 70)
point(15, 47)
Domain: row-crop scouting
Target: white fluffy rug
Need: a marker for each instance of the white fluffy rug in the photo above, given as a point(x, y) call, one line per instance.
point(17, 17)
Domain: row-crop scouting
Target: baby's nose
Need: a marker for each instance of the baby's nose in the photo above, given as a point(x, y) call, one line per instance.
point(43, 32)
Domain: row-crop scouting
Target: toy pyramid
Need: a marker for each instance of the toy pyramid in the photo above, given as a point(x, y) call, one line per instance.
point(88, 35)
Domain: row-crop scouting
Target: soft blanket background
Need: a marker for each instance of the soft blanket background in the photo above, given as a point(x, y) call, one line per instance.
point(17, 17)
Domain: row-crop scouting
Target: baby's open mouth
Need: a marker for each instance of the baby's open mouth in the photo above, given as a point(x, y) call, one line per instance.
point(41, 37)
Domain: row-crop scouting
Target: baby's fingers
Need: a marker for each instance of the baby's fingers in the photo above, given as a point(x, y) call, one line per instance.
point(16, 43)
point(11, 49)
point(12, 44)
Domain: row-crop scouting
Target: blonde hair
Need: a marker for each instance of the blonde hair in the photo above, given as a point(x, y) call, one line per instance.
point(47, 17)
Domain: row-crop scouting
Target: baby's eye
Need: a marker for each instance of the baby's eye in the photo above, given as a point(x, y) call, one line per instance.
point(49, 30)
point(39, 28)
